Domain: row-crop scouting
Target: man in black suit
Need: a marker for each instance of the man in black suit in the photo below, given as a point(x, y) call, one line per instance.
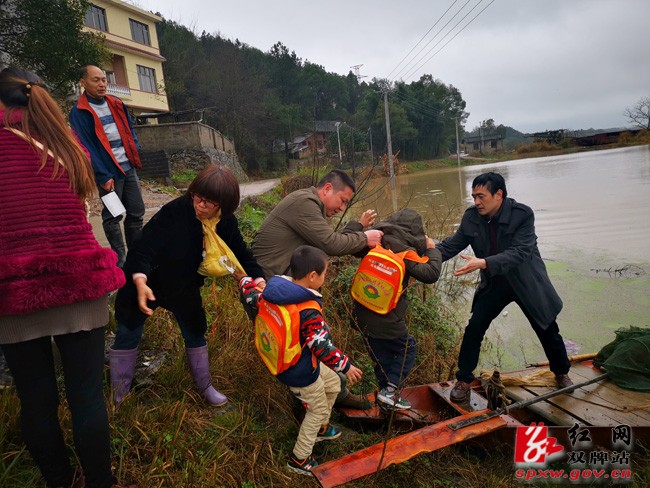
point(501, 232)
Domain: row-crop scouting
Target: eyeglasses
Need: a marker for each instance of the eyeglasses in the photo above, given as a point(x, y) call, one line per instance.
point(203, 201)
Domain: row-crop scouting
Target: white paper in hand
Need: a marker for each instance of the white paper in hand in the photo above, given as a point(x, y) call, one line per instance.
point(113, 203)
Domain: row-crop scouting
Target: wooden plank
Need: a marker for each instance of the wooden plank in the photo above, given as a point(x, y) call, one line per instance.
point(400, 449)
point(611, 394)
point(476, 401)
point(591, 413)
point(574, 405)
point(619, 406)
point(555, 415)
point(610, 397)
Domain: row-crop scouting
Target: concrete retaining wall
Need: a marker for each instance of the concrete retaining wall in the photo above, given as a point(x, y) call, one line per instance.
point(165, 148)
point(182, 135)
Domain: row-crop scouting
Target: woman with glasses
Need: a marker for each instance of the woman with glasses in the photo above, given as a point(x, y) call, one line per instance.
point(54, 283)
point(165, 268)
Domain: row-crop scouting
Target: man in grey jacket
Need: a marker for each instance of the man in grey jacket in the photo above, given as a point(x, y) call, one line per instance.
point(301, 219)
point(501, 232)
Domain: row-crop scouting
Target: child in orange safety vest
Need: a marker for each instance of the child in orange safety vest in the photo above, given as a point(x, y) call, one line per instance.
point(380, 303)
point(293, 340)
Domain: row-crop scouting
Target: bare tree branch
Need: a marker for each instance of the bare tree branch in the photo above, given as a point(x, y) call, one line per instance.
point(639, 114)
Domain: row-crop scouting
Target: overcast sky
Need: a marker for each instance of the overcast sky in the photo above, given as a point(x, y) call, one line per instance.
point(530, 64)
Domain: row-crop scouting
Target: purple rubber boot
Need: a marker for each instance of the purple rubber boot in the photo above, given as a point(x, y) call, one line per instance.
point(122, 366)
point(197, 358)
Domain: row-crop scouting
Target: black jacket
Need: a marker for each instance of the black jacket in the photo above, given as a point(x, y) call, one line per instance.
point(170, 252)
point(518, 259)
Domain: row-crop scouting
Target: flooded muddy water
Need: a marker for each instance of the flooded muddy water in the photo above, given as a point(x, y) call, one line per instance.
point(593, 232)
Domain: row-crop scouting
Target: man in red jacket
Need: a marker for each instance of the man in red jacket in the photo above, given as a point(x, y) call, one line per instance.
point(103, 125)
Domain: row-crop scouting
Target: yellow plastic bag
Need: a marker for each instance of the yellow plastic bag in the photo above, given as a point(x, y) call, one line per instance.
point(219, 260)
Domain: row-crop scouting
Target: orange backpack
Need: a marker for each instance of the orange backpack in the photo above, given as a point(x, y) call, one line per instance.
point(277, 333)
point(377, 284)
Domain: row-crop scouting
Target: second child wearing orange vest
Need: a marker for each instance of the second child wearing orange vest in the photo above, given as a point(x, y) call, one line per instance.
point(314, 385)
point(391, 347)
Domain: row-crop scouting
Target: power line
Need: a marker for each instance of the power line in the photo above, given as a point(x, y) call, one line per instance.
point(419, 106)
point(425, 35)
point(461, 30)
point(433, 38)
point(413, 69)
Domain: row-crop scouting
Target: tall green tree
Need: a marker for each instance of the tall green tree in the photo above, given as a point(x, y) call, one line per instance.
point(46, 37)
point(261, 98)
point(221, 81)
point(433, 108)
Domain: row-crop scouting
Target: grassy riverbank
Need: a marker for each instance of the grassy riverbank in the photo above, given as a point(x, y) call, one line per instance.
point(524, 151)
point(165, 436)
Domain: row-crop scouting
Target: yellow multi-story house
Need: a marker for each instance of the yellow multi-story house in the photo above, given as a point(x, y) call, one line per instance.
point(135, 73)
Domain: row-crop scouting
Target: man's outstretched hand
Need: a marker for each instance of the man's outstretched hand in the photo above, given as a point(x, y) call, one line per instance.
point(473, 264)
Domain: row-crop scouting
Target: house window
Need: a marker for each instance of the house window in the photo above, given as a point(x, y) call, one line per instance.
point(96, 18)
point(475, 146)
point(110, 77)
point(493, 144)
point(140, 32)
point(147, 78)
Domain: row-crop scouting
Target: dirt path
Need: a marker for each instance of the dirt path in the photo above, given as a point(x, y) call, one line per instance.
point(153, 194)
point(156, 195)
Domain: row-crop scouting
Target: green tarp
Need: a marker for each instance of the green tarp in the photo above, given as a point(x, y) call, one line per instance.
point(627, 359)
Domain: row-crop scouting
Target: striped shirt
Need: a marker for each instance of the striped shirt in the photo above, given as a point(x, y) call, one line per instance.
point(110, 128)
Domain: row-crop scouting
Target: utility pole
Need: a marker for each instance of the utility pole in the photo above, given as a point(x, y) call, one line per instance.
point(389, 143)
point(460, 182)
point(372, 154)
point(457, 144)
point(338, 137)
point(353, 158)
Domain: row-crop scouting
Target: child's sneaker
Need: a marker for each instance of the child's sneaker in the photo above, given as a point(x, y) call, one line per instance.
point(302, 466)
point(328, 433)
point(390, 397)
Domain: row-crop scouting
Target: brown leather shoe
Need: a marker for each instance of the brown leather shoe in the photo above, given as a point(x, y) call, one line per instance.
point(563, 380)
point(357, 402)
point(460, 392)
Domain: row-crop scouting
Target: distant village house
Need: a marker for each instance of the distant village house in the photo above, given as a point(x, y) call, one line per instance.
point(310, 143)
point(485, 143)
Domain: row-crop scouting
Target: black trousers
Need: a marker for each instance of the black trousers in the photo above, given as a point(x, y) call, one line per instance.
point(393, 358)
point(488, 304)
point(32, 366)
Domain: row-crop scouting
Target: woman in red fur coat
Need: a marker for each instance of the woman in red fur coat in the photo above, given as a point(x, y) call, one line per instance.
point(54, 282)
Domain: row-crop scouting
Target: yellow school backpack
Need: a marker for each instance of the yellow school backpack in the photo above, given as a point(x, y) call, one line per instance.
point(277, 333)
point(377, 284)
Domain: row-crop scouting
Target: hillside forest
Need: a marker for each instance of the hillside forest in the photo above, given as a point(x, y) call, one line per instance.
point(261, 100)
